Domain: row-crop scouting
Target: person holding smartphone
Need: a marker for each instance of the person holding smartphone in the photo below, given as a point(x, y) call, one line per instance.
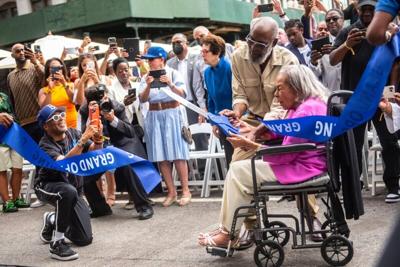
point(163, 124)
point(58, 90)
point(329, 75)
point(352, 49)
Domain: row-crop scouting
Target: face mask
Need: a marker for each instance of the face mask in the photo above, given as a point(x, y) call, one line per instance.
point(177, 49)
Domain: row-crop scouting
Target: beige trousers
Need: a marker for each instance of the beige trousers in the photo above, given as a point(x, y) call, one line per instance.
point(240, 154)
point(239, 187)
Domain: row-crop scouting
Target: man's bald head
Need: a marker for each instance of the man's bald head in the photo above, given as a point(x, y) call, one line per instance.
point(264, 24)
point(179, 36)
point(200, 32)
point(18, 53)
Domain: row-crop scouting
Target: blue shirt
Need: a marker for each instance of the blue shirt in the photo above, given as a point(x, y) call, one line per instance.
point(388, 6)
point(218, 81)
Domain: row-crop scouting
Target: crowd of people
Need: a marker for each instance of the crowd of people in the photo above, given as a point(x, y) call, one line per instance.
point(274, 73)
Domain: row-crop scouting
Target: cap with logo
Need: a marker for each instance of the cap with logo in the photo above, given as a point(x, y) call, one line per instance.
point(46, 112)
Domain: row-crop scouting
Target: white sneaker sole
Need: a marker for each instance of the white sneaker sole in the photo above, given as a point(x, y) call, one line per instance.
point(394, 200)
point(41, 231)
point(69, 258)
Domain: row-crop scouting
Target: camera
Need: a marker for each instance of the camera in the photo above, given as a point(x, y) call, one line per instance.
point(96, 93)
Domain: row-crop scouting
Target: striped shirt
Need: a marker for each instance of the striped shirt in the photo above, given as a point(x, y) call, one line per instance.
point(24, 85)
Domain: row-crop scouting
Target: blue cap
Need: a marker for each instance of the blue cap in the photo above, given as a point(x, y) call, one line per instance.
point(46, 112)
point(155, 52)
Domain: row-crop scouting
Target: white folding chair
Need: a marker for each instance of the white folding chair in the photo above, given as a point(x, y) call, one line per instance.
point(29, 170)
point(376, 151)
point(213, 153)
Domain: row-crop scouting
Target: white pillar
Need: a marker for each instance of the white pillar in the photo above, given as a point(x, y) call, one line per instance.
point(24, 7)
point(56, 2)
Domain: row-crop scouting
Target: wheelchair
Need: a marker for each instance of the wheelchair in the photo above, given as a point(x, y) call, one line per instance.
point(271, 235)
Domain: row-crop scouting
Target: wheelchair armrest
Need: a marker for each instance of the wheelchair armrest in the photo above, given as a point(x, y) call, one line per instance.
point(286, 149)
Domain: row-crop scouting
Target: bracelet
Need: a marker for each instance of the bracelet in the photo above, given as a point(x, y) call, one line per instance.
point(284, 14)
point(349, 48)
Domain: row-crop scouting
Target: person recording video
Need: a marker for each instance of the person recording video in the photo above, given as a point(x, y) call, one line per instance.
point(121, 135)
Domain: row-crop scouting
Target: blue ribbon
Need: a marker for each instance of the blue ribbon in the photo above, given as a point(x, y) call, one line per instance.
point(86, 164)
point(361, 106)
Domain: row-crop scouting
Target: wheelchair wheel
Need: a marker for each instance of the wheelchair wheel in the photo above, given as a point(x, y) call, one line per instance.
point(337, 250)
point(268, 253)
point(279, 236)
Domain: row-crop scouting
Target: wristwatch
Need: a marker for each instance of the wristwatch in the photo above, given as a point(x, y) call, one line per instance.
point(80, 143)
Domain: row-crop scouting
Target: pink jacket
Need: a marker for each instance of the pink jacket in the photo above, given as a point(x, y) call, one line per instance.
point(298, 167)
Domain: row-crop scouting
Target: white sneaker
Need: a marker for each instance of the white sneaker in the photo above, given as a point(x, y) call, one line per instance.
point(37, 204)
point(392, 198)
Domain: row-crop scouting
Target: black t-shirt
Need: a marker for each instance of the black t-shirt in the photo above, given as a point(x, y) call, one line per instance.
point(353, 66)
point(55, 149)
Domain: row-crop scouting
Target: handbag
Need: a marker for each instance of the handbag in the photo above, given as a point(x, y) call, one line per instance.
point(187, 135)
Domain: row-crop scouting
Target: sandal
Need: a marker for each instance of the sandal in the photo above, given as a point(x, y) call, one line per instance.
point(169, 201)
point(185, 200)
point(210, 239)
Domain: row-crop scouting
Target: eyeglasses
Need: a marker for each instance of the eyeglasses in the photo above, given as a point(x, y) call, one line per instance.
point(322, 29)
point(250, 41)
point(57, 117)
point(19, 50)
point(334, 19)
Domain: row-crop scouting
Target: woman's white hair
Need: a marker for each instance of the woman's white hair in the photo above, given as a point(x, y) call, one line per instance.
point(304, 82)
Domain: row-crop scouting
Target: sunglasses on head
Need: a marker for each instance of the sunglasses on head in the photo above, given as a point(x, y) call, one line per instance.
point(334, 19)
point(57, 117)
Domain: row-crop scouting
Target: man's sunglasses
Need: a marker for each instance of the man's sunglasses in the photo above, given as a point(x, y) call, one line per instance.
point(334, 19)
point(250, 41)
point(57, 117)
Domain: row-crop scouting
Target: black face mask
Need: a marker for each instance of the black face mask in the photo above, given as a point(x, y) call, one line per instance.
point(177, 48)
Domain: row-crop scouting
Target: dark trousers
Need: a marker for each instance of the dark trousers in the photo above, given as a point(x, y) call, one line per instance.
point(390, 151)
point(135, 188)
point(228, 149)
point(34, 131)
point(72, 213)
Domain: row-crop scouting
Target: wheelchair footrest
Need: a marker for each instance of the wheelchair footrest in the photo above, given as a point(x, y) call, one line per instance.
point(215, 251)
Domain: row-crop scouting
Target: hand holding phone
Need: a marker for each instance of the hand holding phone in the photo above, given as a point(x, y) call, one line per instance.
point(94, 115)
point(388, 92)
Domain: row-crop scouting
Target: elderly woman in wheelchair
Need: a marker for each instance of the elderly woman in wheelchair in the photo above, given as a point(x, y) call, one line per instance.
point(301, 94)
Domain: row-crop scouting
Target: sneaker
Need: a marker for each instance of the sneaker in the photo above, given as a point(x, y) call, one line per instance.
point(46, 235)
point(130, 205)
point(9, 206)
point(60, 250)
point(37, 204)
point(392, 198)
point(21, 203)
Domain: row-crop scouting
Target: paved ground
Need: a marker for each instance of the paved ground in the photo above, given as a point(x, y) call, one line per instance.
point(169, 239)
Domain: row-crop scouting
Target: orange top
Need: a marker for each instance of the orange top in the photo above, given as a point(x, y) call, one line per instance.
point(59, 98)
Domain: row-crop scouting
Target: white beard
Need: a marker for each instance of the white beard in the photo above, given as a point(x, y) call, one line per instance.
point(262, 59)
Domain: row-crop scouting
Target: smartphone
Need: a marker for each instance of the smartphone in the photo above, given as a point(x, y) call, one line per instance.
point(27, 46)
point(265, 8)
point(132, 47)
point(132, 91)
point(156, 74)
point(86, 34)
point(53, 70)
point(36, 48)
point(90, 65)
point(319, 43)
point(94, 48)
point(94, 116)
point(388, 92)
point(72, 50)
point(112, 41)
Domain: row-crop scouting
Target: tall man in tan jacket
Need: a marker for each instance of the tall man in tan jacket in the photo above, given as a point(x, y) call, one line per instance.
point(255, 67)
